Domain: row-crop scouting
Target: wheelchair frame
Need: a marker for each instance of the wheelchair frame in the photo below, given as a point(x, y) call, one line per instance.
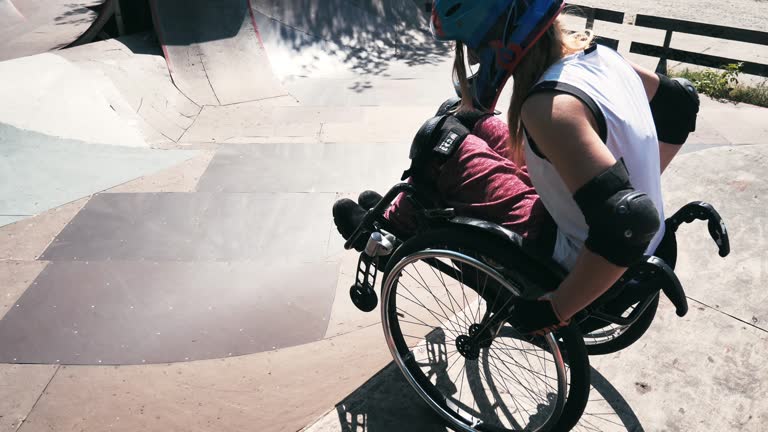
point(649, 266)
point(652, 273)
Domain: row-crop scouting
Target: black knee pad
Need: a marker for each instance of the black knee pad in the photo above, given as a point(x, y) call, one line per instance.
point(675, 108)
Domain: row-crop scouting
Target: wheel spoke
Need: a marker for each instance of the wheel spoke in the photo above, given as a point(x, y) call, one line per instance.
point(508, 391)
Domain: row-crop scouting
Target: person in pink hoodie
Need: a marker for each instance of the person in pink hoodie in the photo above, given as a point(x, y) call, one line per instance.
point(576, 169)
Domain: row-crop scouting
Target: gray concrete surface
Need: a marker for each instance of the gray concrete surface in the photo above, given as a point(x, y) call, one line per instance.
point(683, 370)
point(39, 172)
point(703, 372)
point(359, 78)
point(214, 51)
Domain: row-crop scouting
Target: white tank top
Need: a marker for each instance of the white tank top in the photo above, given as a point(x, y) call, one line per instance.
point(617, 91)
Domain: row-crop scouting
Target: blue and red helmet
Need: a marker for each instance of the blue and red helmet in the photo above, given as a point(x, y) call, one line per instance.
point(471, 21)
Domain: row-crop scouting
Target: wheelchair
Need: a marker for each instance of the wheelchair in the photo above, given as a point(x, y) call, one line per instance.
point(445, 293)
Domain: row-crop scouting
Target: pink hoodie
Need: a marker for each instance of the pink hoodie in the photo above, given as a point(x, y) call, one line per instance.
point(479, 181)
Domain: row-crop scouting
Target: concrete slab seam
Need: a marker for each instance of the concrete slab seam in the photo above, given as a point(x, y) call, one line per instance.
point(729, 315)
point(161, 133)
point(373, 377)
point(352, 331)
point(156, 22)
point(207, 78)
point(181, 138)
point(50, 242)
point(252, 14)
point(256, 100)
point(24, 420)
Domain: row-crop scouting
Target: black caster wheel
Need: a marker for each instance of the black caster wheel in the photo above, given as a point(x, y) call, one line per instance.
point(364, 297)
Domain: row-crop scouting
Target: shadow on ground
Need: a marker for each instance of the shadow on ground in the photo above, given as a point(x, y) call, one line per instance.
point(388, 403)
point(376, 33)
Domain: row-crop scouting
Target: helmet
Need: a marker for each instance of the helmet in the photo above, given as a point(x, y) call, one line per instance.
point(470, 22)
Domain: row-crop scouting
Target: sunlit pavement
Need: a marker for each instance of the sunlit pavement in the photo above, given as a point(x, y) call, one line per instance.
point(168, 260)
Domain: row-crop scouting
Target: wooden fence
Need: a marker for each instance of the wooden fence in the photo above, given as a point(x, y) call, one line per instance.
point(665, 52)
point(671, 26)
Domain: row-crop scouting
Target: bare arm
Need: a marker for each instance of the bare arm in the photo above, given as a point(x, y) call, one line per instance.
point(566, 132)
point(667, 152)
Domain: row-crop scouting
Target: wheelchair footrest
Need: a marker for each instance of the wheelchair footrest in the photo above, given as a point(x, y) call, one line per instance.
point(362, 293)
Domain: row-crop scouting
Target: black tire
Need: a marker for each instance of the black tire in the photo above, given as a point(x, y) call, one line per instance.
point(629, 336)
point(667, 251)
point(522, 271)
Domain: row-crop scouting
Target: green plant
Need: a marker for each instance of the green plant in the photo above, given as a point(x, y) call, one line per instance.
point(725, 85)
point(718, 84)
point(755, 95)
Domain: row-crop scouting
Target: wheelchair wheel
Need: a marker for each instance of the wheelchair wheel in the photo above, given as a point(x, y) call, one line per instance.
point(613, 337)
point(438, 287)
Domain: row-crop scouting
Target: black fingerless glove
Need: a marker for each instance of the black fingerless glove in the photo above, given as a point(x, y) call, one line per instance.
point(529, 316)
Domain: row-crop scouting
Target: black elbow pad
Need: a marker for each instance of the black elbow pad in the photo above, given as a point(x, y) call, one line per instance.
point(675, 108)
point(622, 221)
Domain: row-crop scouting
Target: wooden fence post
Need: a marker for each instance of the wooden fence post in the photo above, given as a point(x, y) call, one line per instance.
point(662, 66)
point(591, 19)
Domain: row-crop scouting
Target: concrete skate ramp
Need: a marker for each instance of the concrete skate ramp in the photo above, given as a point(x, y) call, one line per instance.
point(9, 15)
point(324, 53)
point(213, 51)
point(249, 261)
point(29, 27)
point(39, 172)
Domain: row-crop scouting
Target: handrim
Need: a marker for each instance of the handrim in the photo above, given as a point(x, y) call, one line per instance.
point(454, 418)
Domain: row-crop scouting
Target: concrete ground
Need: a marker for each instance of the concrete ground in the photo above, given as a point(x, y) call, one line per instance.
point(168, 262)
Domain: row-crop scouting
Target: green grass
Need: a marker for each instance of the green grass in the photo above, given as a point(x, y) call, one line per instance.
point(724, 85)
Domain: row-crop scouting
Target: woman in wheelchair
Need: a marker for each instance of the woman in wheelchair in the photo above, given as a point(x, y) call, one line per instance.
point(575, 172)
point(587, 138)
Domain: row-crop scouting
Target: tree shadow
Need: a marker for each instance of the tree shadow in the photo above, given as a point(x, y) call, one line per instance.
point(368, 35)
point(79, 14)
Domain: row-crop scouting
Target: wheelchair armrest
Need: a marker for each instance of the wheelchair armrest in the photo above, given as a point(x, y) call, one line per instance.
point(670, 284)
point(652, 266)
point(549, 272)
point(699, 210)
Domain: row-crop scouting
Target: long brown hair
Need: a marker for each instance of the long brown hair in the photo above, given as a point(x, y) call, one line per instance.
point(555, 44)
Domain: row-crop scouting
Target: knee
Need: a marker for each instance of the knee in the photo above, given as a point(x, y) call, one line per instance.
point(675, 108)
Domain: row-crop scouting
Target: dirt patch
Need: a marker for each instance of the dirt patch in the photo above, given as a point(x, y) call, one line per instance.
point(642, 387)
